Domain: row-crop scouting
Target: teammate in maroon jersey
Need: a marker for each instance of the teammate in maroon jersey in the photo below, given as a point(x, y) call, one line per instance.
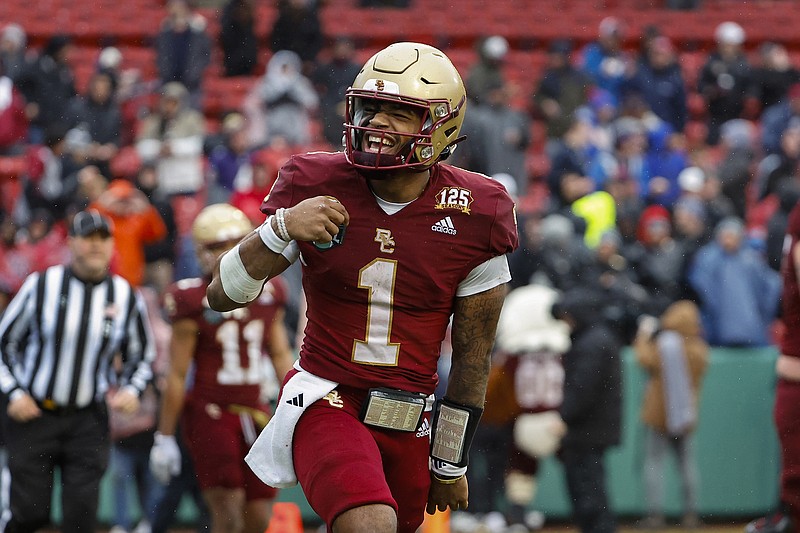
point(222, 412)
point(787, 394)
point(392, 244)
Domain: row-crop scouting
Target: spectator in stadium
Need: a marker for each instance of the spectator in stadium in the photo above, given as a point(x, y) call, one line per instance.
point(13, 49)
point(656, 259)
point(552, 252)
point(779, 167)
point(696, 183)
point(628, 162)
point(571, 160)
point(50, 178)
point(739, 293)
point(691, 232)
point(250, 193)
point(371, 478)
point(773, 76)
point(159, 256)
point(288, 99)
point(138, 224)
point(561, 91)
point(13, 122)
point(91, 184)
point(109, 60)
point(98, 113)
point(776, 118)
point(725, 79)
point(222, 413)
point(31, 248)
point(183, 48)
point(650, 33)
point(237, 38)
point(606, 61)
point(660, 82)
point(673, 353)
point(785, 517)
point(610, 271)
point(12, 272)
point(331, 79)
point(56, 376)
point(666, 157)
point(735, 168)
point(48, 85)
point(298, 29)
point(591, 407)
point(171, 138)
point(229, 160)
point(787, 194)
point(503, 136)
point(487, 72)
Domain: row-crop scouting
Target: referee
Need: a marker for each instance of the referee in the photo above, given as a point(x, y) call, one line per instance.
point(58, 339)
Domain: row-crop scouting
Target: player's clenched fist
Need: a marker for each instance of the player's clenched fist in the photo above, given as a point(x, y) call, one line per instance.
point(316, 219)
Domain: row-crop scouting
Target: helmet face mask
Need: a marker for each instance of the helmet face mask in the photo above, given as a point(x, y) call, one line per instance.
point(406, 74)
point(363, 106)
point(216, 229)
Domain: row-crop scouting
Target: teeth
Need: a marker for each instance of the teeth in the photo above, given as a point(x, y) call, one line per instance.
point(379, 140)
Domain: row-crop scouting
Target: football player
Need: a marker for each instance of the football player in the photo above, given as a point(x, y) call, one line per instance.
point(786, 409)
point(222, 412)
point(392, 243)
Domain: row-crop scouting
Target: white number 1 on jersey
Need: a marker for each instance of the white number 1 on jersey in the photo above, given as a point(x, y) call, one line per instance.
point(378, 278)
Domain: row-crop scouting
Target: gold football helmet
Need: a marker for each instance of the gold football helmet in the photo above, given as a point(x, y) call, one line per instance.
point(215, 230)
point(416, 75)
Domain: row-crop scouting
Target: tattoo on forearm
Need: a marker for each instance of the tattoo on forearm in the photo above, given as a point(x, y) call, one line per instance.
point(474, 325)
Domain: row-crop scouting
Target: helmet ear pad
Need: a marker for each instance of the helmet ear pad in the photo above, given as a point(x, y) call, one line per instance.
point(417, 75)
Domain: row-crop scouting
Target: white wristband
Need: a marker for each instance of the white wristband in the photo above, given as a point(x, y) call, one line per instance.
point(237, 284)
point(447, 470)
point(279, 218)
point(270, 238)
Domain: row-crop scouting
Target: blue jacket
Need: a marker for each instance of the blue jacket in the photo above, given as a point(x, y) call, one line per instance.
point(739, 295)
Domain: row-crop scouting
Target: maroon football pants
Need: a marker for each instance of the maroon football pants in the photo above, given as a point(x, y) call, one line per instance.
point(341, 463)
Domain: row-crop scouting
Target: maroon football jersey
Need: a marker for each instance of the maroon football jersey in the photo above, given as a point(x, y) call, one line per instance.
point(231, 346)
point(379, 304)
point(538, 380)
point(790, 343)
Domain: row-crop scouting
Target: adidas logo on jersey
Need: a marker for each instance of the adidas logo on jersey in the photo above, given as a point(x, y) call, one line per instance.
point(424, 428)
point(297, 401)
point(445, 226)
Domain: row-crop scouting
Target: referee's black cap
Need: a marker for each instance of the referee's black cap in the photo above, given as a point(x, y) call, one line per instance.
point(90, 221)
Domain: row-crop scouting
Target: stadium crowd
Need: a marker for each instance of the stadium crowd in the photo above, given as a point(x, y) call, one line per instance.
point(627, 198)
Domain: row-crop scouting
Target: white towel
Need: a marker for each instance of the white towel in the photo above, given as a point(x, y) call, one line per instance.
point(270, 457)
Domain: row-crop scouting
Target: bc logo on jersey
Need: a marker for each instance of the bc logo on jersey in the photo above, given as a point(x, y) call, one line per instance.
point(384, 237)
point(454, 198)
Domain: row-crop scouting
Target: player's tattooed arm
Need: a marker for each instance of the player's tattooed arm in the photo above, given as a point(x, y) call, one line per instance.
point(474, 325)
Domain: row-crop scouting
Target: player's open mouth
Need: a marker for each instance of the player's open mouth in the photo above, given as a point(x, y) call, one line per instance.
point(378, 143)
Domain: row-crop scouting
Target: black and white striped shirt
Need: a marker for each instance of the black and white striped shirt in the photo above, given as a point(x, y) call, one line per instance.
point(59, 334)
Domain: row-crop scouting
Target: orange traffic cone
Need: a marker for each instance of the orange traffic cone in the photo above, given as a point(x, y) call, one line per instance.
point(436, 523)
point(286, 518)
